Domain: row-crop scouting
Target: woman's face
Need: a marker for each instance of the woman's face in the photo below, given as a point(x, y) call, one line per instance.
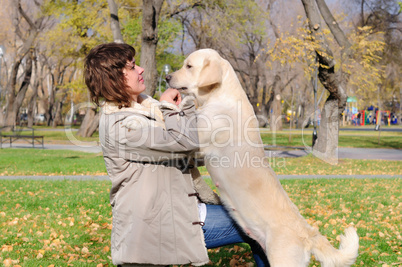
point(134, 79)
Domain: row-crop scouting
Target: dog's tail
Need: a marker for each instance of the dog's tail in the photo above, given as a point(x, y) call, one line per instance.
point(345, 256)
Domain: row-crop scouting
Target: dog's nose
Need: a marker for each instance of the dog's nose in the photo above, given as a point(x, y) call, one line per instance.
point(168, 77)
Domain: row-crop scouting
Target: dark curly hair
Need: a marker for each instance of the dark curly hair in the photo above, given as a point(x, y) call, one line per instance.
point(103, 73)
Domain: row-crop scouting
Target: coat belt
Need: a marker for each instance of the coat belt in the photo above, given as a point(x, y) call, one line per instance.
point(182, 164)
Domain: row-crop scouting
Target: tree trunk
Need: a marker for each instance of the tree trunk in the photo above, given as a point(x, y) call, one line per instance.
point(326, 146)
point(300, 118)
point(51, 100)
point(150, 16)
point(10, 117)
point(1, 117)
point(87, 122)
point(19, 98)
point(263, 116)
point(114, 22)
point(94, 125)
point(58, 117)
point(362, 23)
point(32, 101)
point(302, 110)
point(274, 106)
point(31, 109)
point(291, 116)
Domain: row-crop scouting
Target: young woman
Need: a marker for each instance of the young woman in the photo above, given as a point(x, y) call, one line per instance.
point(157, 215)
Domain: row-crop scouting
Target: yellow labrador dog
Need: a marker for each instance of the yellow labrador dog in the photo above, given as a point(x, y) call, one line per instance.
point(234, 156)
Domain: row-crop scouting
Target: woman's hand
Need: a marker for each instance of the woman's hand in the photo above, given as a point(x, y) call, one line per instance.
point(172, 96)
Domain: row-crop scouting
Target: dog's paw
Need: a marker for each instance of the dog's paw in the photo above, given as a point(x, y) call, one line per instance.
point(168, 105)
point(188, 100)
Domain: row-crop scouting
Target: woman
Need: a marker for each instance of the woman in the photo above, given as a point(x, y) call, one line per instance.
point(146, 144)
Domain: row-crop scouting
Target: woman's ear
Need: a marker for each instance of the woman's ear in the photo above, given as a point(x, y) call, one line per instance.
point(211, 73)
point(124, 71)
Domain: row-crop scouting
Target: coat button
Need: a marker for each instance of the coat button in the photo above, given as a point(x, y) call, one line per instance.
point(181, 113)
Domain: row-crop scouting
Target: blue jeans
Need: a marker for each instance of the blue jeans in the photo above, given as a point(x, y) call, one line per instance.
point(220, 230)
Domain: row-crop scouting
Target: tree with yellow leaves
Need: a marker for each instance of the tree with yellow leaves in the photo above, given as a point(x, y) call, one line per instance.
point(310, 48)
point(81, 25)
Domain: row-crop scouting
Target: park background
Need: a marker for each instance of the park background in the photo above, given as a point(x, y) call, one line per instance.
point(281, 58)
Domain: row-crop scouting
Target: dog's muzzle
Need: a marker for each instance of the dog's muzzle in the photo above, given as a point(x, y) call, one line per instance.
point(169, 78)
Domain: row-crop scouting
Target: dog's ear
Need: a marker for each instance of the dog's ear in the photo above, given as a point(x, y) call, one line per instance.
point(210, 74)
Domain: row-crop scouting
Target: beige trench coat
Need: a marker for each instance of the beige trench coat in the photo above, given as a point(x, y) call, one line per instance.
point(155, 214)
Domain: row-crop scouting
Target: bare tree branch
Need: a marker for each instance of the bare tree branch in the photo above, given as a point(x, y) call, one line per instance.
point(186, 8)
point(333, 25)
point(32, 25)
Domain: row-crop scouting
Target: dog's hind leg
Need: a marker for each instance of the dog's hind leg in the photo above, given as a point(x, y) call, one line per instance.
point(287, 251)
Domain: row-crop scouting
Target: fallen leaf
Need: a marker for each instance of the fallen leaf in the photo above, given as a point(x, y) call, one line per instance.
point(7, 262)
point(233, 262)
point(5, 248)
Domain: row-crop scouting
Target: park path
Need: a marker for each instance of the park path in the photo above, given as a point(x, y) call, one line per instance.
point(344, 153)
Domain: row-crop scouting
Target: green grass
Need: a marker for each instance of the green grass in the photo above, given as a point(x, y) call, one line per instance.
point(54, 222)
point(310, 165)
point(63, 137)
point(373, 206)
point(50, 162)
point(68, 223)
point(64, 162)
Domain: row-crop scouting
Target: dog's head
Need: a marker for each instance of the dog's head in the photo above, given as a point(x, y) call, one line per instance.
point(201, 73)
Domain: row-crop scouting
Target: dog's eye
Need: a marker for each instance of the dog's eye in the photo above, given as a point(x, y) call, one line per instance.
point(188, 66)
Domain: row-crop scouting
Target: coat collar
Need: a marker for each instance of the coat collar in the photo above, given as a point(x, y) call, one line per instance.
point(149, 107)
